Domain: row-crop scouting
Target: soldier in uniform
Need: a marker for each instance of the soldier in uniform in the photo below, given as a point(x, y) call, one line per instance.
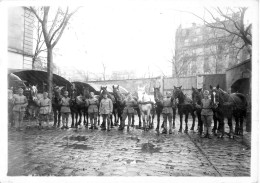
point(45, 109)
point(106, 109)
point(92, 104)
point(206, 114)
point(20, 103)
point(128, 111)
point(65, 110)
point(167, 112)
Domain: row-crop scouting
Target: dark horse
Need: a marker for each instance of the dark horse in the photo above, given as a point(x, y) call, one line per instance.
point(185, 107)
point(119, 105)
point(56, 107)
point(228, 105)
point(158, 97)
point(78, 107)
point(102, 91)
point(197, 96)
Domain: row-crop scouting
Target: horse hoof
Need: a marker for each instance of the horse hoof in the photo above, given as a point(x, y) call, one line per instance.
point(180, 130)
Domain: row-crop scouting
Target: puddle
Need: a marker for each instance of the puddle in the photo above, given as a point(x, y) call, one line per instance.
point(78, 146)
point(76, 138)
point(150, 148)
point(133, 138)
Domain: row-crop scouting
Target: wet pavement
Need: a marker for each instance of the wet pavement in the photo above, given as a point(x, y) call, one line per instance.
point(84, 152)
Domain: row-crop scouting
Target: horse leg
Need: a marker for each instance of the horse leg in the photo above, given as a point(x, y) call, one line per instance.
point(241, 120)
point(221, 127)
point(215, 127)
point(231, 133)
point(193, 121)
point(237, 124)
point(186, 122)
point(181, 114)
point(86, 114)
point(72, 118)
point(111, 121)
point(173, 117)
point(158, 121)
point(200, 128)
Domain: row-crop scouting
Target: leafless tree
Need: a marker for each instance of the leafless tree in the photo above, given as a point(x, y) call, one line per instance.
point(52, 30)
point(180, 63)
point(232, 21)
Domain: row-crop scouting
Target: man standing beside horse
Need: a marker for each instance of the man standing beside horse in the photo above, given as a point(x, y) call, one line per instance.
point(92, 104)
point(106, 109)
point(45, 109)
point(128, 111)
point(168, 104)
point(20, 103)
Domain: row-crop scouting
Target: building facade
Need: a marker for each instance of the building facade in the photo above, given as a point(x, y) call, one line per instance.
point(202, 50)
point(20, 38)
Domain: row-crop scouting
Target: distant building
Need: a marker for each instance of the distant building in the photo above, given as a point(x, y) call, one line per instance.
point(20, 38)
point(202, 50)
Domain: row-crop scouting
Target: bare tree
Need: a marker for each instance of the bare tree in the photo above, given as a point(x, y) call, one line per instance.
point(180, 63)
point(232, 21)
point(52, 30)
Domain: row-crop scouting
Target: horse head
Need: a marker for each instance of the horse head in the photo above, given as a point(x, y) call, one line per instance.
point(197, 95)
point(33, 91)
point(142, 95)
point(86, 93)
point(215, 94)
point(117, 93)
point(157, 94)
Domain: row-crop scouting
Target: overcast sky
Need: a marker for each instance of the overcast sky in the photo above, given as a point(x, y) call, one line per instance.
point(136, 35)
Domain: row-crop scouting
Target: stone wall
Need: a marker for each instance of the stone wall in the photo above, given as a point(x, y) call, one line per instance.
point(167, 84)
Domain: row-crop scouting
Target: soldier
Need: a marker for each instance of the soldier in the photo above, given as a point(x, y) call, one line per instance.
point(45, 109)
point(92, 104)
point(65, 110)
point(105, 109)
point(206, 114)
point(167, 112)
point(128, 111)
point(20, 103)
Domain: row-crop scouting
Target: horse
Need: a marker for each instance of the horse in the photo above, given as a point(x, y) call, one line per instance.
point(185, 107)
point(110, 96)
point(197, 96)
point(229, 105)
point(158, 97)
point(145, 103)
point(56, 107)
point(119, 106)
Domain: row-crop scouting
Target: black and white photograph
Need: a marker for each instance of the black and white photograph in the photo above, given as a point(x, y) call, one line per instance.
point(109, 91)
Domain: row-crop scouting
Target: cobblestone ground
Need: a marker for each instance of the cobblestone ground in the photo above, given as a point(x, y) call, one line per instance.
point(85, 152)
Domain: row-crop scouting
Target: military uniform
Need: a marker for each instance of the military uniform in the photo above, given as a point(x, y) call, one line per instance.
point(92, 105)
point(128, 111)
point(206, 115)
point(167, 112)
point(105, 109)
point(45, 110)
point(20, 103)
point(65, 110)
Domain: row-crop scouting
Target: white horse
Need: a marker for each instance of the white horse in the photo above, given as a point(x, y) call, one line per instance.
point(145, 103)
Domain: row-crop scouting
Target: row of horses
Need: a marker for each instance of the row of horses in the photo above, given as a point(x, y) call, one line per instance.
point(225, 106)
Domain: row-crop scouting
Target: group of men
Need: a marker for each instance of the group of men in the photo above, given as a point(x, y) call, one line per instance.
point(104, 108)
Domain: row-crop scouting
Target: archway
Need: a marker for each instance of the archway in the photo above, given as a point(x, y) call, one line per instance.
point(241, 86)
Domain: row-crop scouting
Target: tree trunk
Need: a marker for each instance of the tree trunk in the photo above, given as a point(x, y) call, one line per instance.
point(50, 70)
